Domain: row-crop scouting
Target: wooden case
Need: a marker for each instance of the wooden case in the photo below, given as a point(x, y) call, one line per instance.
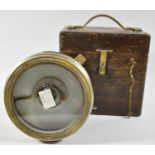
point(116, 60)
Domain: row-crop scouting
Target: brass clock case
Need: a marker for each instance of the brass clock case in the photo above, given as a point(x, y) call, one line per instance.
point(66, 79)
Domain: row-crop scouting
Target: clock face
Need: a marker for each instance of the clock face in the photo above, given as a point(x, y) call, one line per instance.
point(49, 96)
point(50, 80)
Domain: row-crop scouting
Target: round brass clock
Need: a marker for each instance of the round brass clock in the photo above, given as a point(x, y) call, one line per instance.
point(48, 96)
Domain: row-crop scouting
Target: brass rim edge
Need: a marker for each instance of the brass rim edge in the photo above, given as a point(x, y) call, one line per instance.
point(65, 61)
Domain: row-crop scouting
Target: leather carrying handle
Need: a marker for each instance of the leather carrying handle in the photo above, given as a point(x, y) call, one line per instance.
point(109, 17)
point(106, 16)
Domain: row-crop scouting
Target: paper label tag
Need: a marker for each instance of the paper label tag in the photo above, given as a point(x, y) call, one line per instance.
point(47, 98)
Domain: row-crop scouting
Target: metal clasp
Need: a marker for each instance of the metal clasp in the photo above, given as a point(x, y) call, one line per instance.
point(103, 61)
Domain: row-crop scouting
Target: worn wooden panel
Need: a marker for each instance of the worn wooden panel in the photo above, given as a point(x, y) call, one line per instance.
point(90, 39)
point(112, 90)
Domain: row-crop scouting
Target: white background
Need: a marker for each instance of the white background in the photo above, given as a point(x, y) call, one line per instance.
point(23, 33)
